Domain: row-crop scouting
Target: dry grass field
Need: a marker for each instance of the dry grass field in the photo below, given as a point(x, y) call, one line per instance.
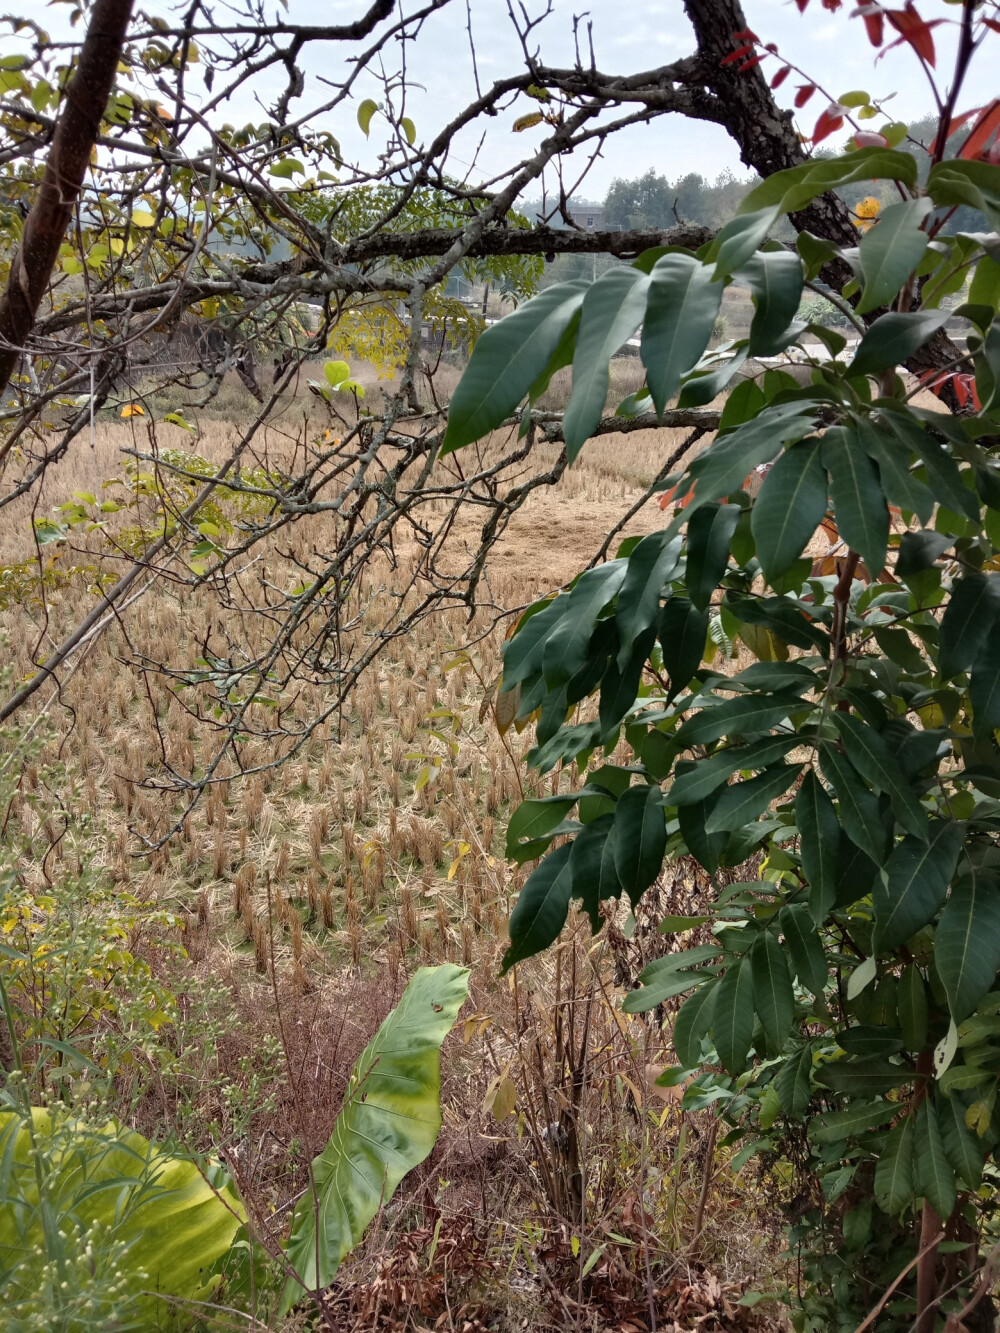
point(230, 978)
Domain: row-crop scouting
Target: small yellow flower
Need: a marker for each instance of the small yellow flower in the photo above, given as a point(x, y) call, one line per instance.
point(133, 410)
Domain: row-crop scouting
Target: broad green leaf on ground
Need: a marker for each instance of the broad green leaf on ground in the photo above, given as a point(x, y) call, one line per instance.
point(745, 800)
point(805, 952)
point(775, 278)
point(542, 907)
point(612, 311)
point(773, 997)
point(789, 508)
point(968, 618)
point(681, 308)
point(893, 338)
point(710, 532)
point(819, 845)
point(640, 838)
point(682, 632)
point(566, 646)
point(870, 755)
point(388, 1124)
point(890, 251)
point(858, 503)
point(505, 361)
point(733, 1015)
point(915, 883)
point(934, 1177)
point(894, 1178)
point(967, 941)
point(650, 564)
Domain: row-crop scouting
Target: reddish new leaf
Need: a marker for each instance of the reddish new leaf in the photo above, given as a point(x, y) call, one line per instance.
point(745, 35)
point(802, 5)
point(988, 122)
point(954, 124)
point(874, 23)
point(755, 60)
point(806, 91)
point(738, 54)
point(832, 4)
point(992, 24)
point(914, 30)
point(781, 76)
point(830, 121)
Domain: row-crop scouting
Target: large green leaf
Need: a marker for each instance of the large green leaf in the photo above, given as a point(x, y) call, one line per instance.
point(681, 308)
point(160, 1221)
point(682, 632)
point(870, 755)
point(863, 1077)
point(819, 843)
point(984, 685)
point(805, 952)
point(650, 564)
point(620, 684)
point(710, 532)
point(707, 775)
point(592, 867)
point(964, 1150)
point(890, 252)
point(911, 1007)
point(968, 618)
point(640, 838)
point(704, 847)
point(894, 1179)
point(933, 1174)
point(974, 183)
point(858, 503)
point(893, 338)
point(505, 363)
point(793, 1083)
point(943, 472)
point(565, 648)
point(967, 942)
point(859, 812)
point(541, 908)
point(773, 997)
point(789, 508)
point(775, 278)
point(740, 237)
point(532, 821)
point(612, 311)
point(724, 465)
point(388, 1124)
point(795, 187)
point(835, 1126)
point(743, 801)
point(894, 460)
point(915, 883)
point(671, 975)
point(733, 1015)
point(693, 1021)
point(746, 715)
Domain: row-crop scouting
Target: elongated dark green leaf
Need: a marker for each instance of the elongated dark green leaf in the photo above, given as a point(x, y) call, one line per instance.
point(681, 308)
point(890, 251)
point(388, 1124)
point(819, 845)
point(858, 503)
point(732, 1016)
point(911, 1008)
point(746, 800)
point(894, 1184)
point(789, 508)
point(984, 685)
point(707, 775)
point(522, 653)
point(592, 868)
point(775, 279)
point(640, 838)
point(620, 685)
point(724, 465)
point(710, 532)
point(682, 632)
point(612, 311)
point(859, 812)
point(915, 882)
point(566, 646)
point(968, 618)
point(805, 952)
point(740, 237)
point(541, 908)
point(795, 187)
point(650, 564)
point(894, 460)
point(870, 755)
point(692, 1024)
point(533, 820)
point(974, 183)
point(701, 387)
point(505, 363)
point(705, 847)
point(943, 472)
point(863, 1077)
point(793, 1084)
point(967, 942)
point(933, 1174)
point(773, 997)
point(836, 1126)
point(964, 1150)
point(893, 338)
point(746, 715)
point(781, 616)
point(666, 977)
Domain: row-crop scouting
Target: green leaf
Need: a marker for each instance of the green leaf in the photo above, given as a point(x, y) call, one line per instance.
point(744, 716)
point(681, 308)
point(666, 977)
point(894, 1183)
point(984, 685)
point(706, 848)
point(870, 755)
point(793, 1084)
point(819, 841)
point(640, 839)
point(650, 564)
point(775, 278)
point(836, 1126)
point(531, 821)
point(890, 251)
point(388, 1124)
point(859, 505)
point(710, 530)
point(893, 338)
point(707, 775)
point(504, 363)
point(913, 886)
point(366, 110)
point(565, 651)
point(863, 1077)
point(620, 685)
point(682, 632)
point(961, 1145)
point(943, 472)
point(791, 505)
point(739, 238)
point(805, 951)
point(693, 1021)
point(612, 311)
point(733, 1015)
point(773, 997)
point(592, 868)
point(933, 1174)
point(409, 129)
point(974, 183)
point(968, 618)
point(967, 942)
point(541, 908)
point(746, 800)
point(911, 1008)
point(859, 811)
point(729, 459)
point(782, 617)
point(893, 461)
point(795, 187)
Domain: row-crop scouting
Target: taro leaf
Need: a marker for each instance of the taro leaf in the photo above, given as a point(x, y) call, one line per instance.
point(894, 1186)
point(968, 618)
point(681, 309)
point(819, 845)
point(710, 532)
point(889, 252)
point(915, 882)
point(744, 801)
point(773, 997)
point(612, 311)
point(505, 361)
point(858, 503)
point(388, 1124)
point(733, 1015)
point(541, 908)
point(933, 1174)
point(967, 941)
point(682, 632)
point(893, 338)
point(640, 838)
point(790, 507)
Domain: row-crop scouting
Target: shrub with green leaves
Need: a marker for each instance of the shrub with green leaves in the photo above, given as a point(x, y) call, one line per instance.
point(849, 997)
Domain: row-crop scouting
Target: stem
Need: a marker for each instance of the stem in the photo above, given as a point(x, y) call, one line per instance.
point(963, 58)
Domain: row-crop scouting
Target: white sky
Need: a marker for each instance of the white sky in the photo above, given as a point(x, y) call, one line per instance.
point(830, 47)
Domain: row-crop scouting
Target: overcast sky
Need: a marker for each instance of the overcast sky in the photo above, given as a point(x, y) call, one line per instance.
point(628, 37)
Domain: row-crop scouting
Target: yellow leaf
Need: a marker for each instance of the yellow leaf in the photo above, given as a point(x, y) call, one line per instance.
point(133, 410)
point(504, 1099)
point(141, 217)
point(527, 122)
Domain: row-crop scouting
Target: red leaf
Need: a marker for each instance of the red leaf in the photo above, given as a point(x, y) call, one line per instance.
point(961, 389)
point(914, 30)
point(992, 24)
point(806, 91)
point(772, 48)
point(749, 64)
point(989, 120)
point(874, 26)
point(781, 76)
point(832, 4)
point(954, 124)
point(831, 120)
point(747, 35)
point(738, 54)
point(802, 5)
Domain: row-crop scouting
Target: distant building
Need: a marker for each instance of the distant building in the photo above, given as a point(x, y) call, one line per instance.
point(589, 217)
